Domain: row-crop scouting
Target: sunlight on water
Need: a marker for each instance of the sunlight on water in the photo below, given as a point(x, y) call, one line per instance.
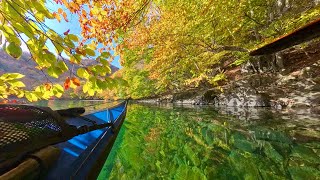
point(199, 143)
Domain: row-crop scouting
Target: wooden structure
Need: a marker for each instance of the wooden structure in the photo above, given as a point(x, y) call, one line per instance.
point(303, 34)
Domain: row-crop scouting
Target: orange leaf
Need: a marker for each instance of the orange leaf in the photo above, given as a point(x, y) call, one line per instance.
point(57, 16)
point(67, 83)
point(60, 11)
point(80, 51)
point(84, 13)
point(64, 14)
point(47, 86)
point(75, 81)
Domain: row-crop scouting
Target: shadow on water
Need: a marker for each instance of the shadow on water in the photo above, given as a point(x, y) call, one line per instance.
point(201, 143)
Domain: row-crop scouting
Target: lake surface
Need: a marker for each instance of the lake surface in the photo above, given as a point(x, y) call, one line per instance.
point(207, 143)
point(174, 142)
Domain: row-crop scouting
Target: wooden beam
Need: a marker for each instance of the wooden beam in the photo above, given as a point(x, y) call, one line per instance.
point(303, 34)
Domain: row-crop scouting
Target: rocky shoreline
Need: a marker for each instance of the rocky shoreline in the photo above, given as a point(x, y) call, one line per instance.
point(287, 80)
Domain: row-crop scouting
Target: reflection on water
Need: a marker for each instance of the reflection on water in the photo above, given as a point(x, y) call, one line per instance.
point(64, 104)
point(201, 143)
point(89, 105)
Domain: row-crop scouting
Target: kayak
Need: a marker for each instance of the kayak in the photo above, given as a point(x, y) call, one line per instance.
point(78, 153)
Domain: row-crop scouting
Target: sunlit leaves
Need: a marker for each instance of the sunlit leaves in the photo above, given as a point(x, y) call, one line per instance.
point(62, 65)
point(75, 81)
point(73, 37)
point(57, 16)
point(90, 52)
point(31, 96)
point(54, 72)
point(23, 23)
point(11, 84)
point(85, 87)
point(57, 90)
point(82, 73)
point(16, 83)
point(14, 50)
point(10, 34)
point(11, 76)
point(179, 42)
point(67, 83)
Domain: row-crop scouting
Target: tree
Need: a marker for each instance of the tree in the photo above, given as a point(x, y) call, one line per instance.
point(26, 18)
point(192, 43)
point(171, 45)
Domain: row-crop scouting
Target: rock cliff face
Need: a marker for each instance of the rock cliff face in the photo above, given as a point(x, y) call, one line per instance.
point(288, 79)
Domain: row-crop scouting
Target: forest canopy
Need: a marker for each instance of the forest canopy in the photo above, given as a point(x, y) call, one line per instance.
point(164, 46)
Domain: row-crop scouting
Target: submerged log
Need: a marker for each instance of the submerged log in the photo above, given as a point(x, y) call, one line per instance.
point(303, 34)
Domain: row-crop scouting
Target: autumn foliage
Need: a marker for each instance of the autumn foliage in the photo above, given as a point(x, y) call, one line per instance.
point(164, 45)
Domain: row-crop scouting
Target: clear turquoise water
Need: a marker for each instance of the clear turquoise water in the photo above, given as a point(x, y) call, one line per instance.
point(201, 143)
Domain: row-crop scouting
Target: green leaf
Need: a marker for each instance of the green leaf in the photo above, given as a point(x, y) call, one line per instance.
point(57, 90)
point(272, 153)
point(85, 87)
point(191, 155)
point(76, 58)
point(101, 84)
point(91, 92)
point(10, 35)
point(54, 72)
point(41, 9)
point(8, 30)
point(69, 43)
point(31, 96)
point(62, 66)
point(16, 83)
point(244, 145)
point(54, 36)
point(158, 164)
point(50, 58)
point(105, 54)
point(82, 73)
point(25, 28)
point(73, 37)
point(104, 62)
point(14, 50)
point(90, 52)
point(11, 76)
point(58, 47)
point(20, 94)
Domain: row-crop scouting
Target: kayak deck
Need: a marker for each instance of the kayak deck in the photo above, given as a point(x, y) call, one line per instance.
point(84, 155)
